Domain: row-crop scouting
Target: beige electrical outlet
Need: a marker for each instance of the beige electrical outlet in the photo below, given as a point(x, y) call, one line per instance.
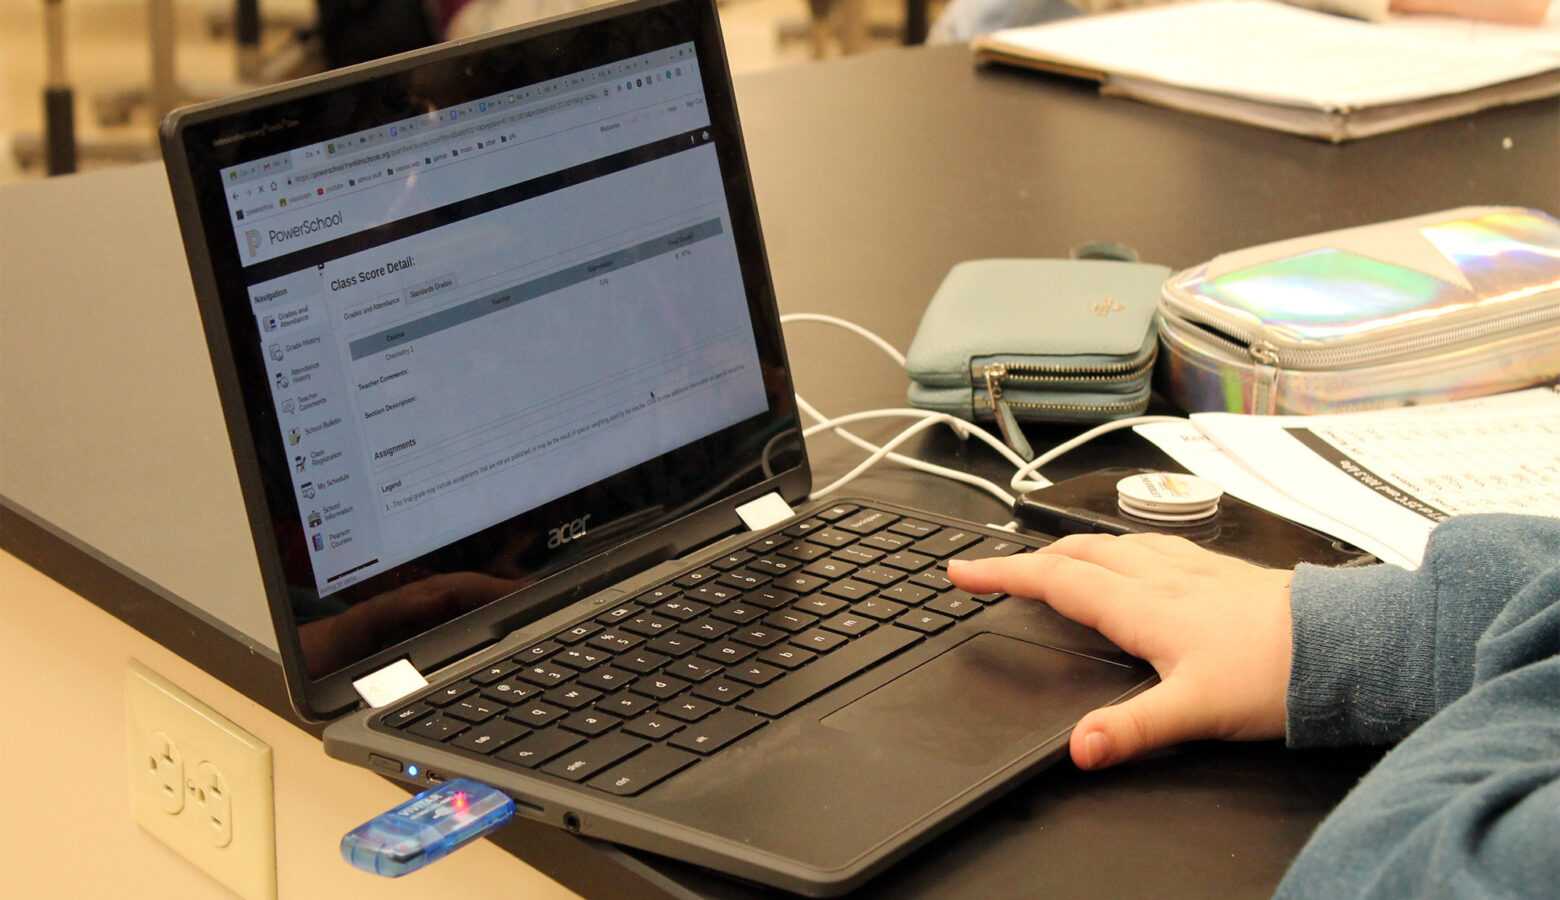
point(200, 784)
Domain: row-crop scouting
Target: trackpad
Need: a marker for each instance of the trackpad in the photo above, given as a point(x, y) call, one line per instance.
point(971, 703)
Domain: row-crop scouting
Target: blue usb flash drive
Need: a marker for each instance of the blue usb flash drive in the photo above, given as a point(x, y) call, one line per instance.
point(426, 828)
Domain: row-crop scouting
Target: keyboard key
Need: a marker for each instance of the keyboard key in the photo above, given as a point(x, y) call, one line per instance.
point(536, 713)
point(805, 527)
point(759, 636)
point(688, 709)
point(407, 715)
point(828, 671)
point(859, 555)
point(536, 654)
point(626, 704)
point(836, 513)
point(913, 527)
point(955, 606)
point(657, 595)
point(832, 538)
point(654, 727)
point(820, 605)
point(722, 690)
point(708, 629)
point(447, 695)
point(849, 589)
point(878, 608)
point(717, 731)
point(830, 567)
point(756, 674)
point(584, 761)
point(581, 658)
point(437, 728)
point(572, 696)
point(787, 657)
point(849, 624)
point(578, 633)
point(643, 771)
point(804, 552)
point(675, 644)
point(496, 672)
point(882, 576)
point(739, 613)
point(924, 622)
point(538, 747)
point(768, 597)
point(476, 710)
point(649, 625)
point(791, 620)
point(945, 542)
point(661, 687)
point(768, 542)
point(681, 609)
point(696, 578)
point(889, 543)
point(936, 579)
point(546, 675)
point(909, 594)
point(908, 561)
point(490, 737)
point(772, 565)
point(642, 661)
point(714, 594)
point(799, 582)
point(818, 640)
point(590, 723)
point(618, 613)
point(512, 691)
point(732, 561)
point(692, 669)
point(866, 521)
point(616, 641)
point(606, 678)
point(726, 652)
point(994, 547)
point(744, 580)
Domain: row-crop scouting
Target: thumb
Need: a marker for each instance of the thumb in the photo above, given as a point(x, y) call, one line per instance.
point(1160, 716)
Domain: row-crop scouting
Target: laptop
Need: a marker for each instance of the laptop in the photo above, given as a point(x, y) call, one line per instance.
point(498, 350)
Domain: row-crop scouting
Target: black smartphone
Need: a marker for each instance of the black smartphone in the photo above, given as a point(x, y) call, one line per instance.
point(1087, 503)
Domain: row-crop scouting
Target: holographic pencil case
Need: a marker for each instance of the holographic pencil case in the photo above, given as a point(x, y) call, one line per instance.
point(1439, 307)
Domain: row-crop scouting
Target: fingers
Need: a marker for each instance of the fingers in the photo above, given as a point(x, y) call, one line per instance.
point(1079, 590)
point(1163, 715)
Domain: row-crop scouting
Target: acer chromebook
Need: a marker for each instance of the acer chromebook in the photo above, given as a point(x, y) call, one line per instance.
point(498, 350)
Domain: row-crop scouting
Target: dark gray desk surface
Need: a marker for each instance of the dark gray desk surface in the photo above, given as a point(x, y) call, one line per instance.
point(874, 175)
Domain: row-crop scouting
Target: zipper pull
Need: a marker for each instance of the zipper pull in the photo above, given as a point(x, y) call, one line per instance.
point(1006, 422)
point(1265, 357)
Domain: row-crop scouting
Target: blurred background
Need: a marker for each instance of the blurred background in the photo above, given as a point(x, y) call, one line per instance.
point(106, 63)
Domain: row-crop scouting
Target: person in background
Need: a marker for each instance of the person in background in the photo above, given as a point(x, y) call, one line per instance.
point(1457, 664)
point(963, 20)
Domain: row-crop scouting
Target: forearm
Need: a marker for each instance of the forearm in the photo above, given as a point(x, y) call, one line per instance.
point(1377, 651)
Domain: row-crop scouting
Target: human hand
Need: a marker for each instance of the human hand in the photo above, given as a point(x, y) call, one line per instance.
point(1215, 628)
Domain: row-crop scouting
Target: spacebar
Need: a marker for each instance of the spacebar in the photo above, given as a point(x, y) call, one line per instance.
point(812, 680)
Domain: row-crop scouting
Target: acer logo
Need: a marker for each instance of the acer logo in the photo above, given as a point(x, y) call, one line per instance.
point(568, 531)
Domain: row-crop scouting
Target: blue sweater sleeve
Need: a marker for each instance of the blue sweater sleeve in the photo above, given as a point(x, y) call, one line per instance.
point(1461, 662)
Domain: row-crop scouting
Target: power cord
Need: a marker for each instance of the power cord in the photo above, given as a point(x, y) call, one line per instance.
point(1026, 475)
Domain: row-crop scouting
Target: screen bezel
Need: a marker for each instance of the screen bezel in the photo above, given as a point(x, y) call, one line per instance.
point(195, 156)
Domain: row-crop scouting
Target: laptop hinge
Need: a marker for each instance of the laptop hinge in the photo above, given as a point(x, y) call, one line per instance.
point(390, 684)
point(770, 509)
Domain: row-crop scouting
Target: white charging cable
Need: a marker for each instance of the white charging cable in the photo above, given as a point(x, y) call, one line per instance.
point(1025, 478)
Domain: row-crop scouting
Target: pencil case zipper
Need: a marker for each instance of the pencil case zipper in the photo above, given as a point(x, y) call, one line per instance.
point(998, 376)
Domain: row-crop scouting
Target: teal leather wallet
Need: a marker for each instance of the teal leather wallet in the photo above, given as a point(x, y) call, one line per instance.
point(1061, 340)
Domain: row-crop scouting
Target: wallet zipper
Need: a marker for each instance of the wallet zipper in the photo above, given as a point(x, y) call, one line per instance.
point(995, 374)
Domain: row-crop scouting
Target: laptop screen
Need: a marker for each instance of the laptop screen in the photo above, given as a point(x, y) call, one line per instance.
point(490, 314)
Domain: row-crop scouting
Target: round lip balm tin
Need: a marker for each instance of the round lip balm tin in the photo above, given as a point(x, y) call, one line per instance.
point(1168, 497)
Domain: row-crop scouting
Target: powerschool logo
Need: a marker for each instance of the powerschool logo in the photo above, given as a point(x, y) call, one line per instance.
point(568, 531)
point(309, 226)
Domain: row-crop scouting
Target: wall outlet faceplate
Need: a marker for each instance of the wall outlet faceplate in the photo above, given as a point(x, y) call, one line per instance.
point(200, 784)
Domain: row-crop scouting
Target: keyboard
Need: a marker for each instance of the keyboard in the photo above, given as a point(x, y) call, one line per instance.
point(634, 695)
